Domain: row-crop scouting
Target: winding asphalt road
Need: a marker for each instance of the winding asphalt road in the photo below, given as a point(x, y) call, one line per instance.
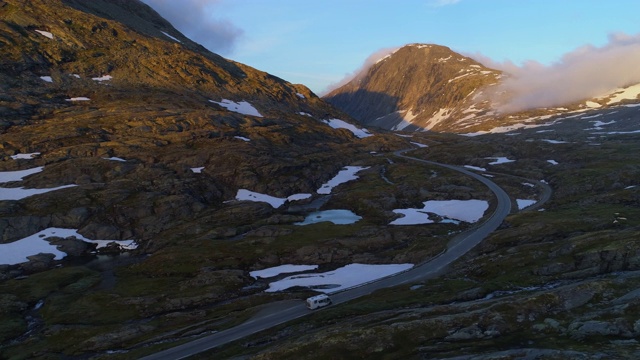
point(457, 247)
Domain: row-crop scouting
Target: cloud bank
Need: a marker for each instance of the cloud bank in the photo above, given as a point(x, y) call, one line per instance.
point(195, 19)
point(583, 73)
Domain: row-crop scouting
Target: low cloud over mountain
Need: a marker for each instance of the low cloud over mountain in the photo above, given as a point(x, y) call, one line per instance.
point(372, 59)
point(583, 73)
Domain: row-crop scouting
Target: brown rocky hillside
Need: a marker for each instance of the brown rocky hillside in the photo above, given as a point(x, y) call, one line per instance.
point(83, 81)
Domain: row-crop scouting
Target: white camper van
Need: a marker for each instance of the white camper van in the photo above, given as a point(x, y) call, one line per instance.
point(318, 301)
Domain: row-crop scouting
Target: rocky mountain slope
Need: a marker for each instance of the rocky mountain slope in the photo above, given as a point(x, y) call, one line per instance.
point(419, 86)
point(83, 81)
point(430, 87)
point(149, 137)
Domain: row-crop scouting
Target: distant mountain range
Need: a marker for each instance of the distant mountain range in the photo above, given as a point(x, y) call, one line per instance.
point(430, 87)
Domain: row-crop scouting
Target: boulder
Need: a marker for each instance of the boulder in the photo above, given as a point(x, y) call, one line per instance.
point(37, 263)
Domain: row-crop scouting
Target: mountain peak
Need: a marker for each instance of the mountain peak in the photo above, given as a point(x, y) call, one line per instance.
point(418, 85)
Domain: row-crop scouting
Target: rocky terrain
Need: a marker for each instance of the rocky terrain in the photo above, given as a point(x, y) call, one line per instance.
point(157, 135)
point(560, 282)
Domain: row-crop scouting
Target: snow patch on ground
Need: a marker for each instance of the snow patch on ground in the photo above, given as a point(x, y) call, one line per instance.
point(341, 124)
point(296, 197)
point(197, 170)
point(282, 269)
point(407, 119)
point(464, 210)
point(244, 194)
point(25, 156)
point(601, 123)
point(342, 278)
point(45, 33)
point(437, 117)
point(81, 98)
point(301, 96)
point(419, 144)
point(242, 107)
point(550, 141)
point(16, 252)
point(114, 158)
point(347, 174)
point(46, 78)
point(523, 125)
point(7, 176)
point(242, 138)
point(552, 162)
point(338, 217)
point(276, 202)
point(21, 193)
point(522, 203)
point(171, 37)
point(103, 78)
point(592, 105)
point(629, 93)
point(477, 168)
point(499, 160)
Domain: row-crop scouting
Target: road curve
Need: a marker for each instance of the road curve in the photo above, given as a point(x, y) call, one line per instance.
point(457, 247)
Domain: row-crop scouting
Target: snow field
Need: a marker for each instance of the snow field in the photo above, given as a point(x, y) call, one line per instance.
point(17, 252)
point(499, 160)
point(45, 33)
point(25, 156)
point(282, 269)
point(171, 37)
point(464, 210)
point(7, 176)
point(523, 203)
point(21, 193)
point(347, 174)
point(338, 217)
point(342, 278)
point(276, 202)
point(341, 124)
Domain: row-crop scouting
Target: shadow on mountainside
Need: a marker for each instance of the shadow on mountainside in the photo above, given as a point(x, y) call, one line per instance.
point(363, 105)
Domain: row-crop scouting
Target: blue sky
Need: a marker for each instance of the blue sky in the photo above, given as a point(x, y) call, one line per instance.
point(318, 43)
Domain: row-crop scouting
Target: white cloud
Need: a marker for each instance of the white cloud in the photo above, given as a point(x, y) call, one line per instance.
point(370, 61)
point(581, 74)
point(196, 20)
